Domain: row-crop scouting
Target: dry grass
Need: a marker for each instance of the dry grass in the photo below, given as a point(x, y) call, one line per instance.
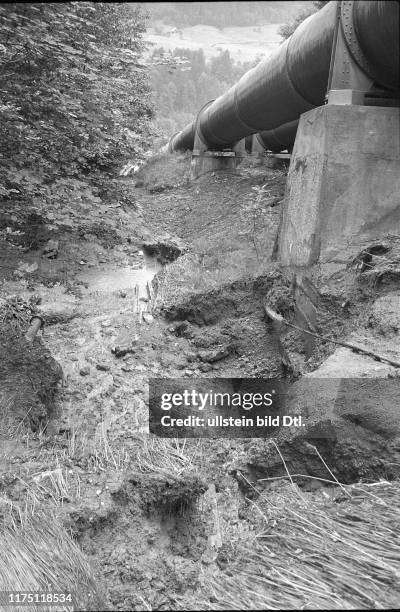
point(37, 554)
point(96, 452)
point(167, 456)
point(57, 486)
point(9, 426)
point(316, 554)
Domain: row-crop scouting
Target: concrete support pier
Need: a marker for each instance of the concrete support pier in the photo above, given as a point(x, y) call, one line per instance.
point(208, 161)
point(343, 183)
point(204, 161)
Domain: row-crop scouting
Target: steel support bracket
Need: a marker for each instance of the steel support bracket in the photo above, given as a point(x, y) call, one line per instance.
point(285, 156)
point(349, 75)
point(257, 148)
point(197, 153)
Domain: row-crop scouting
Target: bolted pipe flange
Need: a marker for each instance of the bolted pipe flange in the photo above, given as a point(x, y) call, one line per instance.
point(350, 35)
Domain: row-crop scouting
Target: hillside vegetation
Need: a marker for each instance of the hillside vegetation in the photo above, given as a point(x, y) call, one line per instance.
point(180, 89)
point(75, 100)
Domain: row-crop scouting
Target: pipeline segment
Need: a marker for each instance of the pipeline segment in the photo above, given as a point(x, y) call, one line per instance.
point(270, 98)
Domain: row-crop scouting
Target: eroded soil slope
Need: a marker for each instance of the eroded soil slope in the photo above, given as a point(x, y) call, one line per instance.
point(159, 519)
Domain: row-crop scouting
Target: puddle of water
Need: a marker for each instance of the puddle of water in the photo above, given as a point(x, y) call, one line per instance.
point(108, 279)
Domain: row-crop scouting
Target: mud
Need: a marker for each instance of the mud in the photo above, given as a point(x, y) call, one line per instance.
point(164, 250)
point(157, 517)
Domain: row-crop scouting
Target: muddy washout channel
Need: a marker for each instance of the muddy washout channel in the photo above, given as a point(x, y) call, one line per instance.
point(174, 524)
point(110, 279)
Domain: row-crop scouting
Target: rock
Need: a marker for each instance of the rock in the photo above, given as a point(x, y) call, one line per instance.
point(105, 385)
point(205, 367)
point(104, 367)
point(122, 294)
point(84, 371)
point(182, 329)
point(106, 323)
point(27, 268)
point(173, 359)
point(57, 305)
point(125, 348)
point(216, 354)
point(51, 249)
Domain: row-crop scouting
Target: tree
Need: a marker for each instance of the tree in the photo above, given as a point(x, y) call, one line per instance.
point(75, 100)
point(221, 66)
point(287, 29)
point(198, 62)
point(196, 81)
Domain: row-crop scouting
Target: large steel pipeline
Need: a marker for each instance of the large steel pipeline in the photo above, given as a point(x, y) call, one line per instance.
point(270, 98)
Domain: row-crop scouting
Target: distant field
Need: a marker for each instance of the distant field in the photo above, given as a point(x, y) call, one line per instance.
point(243, 44)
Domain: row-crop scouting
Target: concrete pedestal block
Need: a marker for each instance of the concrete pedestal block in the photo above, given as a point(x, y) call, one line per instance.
point(343, 185)
point(207, 161)
point(204, 161)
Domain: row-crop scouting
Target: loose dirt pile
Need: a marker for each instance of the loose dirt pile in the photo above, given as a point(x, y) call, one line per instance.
point(29, 376)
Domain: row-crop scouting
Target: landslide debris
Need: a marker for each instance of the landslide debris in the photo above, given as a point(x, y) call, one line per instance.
point(174, 524)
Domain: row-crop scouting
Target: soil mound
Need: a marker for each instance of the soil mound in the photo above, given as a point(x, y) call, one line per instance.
point(29, 375)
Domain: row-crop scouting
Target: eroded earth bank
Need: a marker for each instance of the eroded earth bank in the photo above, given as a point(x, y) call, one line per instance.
point(171, 282)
